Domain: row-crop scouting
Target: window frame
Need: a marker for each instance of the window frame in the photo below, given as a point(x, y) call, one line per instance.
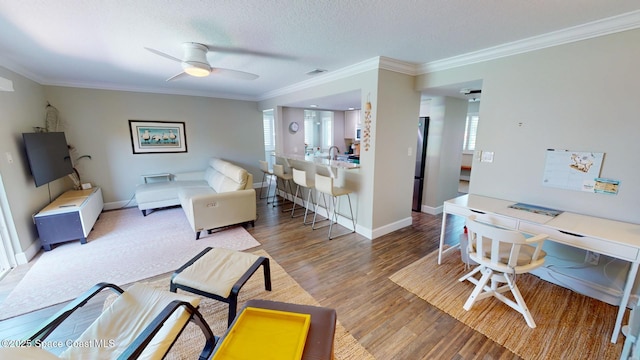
point(470, 133)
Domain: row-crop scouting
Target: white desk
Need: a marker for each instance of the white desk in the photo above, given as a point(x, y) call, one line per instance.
point(614, 238)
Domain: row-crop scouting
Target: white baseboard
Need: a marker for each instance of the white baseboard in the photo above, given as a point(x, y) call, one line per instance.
point(389, 228)
point(431, 210)
point(119, 205)
point(366, 232)
point(25, 256)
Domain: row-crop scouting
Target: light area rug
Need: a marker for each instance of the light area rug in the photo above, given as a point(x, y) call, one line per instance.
point(569, 325)
point(284, 289)
point(123, 247)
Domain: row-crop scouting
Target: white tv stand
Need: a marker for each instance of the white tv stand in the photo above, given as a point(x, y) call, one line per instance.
point(71, 216)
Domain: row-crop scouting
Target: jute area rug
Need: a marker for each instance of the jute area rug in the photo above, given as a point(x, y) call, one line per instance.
point(284, 288)
point(123, 247)
point(569, 325)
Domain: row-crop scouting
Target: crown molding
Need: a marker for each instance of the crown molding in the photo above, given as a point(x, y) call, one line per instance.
point(398, 66)
point(379, 62)
point(148, 90)
point(611, 25)
point(590, 30)
point(18, 69)
point(104, 86)
point(367, 65)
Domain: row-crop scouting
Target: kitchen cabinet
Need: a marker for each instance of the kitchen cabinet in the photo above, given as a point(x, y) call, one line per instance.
point(351, 123)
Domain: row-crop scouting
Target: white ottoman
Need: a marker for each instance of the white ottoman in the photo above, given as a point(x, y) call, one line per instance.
point(219, 274)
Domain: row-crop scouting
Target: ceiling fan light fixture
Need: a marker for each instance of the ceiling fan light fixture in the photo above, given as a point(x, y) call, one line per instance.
point(196, 69)
point(195, 60)
point(195, 63)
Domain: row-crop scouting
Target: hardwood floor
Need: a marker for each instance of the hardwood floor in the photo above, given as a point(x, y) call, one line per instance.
point(350, 274)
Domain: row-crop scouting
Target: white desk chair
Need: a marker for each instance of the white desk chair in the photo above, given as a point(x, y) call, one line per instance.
point(267, 174)
point(631, 331)
point(324, 185)
point(301, 181)
point(501, 254)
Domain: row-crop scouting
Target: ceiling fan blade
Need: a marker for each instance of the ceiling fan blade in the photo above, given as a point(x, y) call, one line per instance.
point(236, 74)
point(235, 50)
point(163, 54)
point(178, 76)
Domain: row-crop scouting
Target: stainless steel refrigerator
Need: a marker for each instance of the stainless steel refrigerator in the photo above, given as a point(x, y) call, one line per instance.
point(421, 153)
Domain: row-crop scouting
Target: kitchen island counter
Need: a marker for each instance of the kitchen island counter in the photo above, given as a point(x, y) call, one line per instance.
point(320, 160)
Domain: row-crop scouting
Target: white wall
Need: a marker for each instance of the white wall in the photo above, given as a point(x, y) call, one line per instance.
point(20, 111)
point(396, 123)
point(97, 124)
point(580, 96)
point(292, 143)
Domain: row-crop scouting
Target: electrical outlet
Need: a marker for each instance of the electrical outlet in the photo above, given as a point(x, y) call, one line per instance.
point(592, 258)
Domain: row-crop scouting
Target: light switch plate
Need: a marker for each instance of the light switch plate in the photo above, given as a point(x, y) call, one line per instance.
point(487, 156)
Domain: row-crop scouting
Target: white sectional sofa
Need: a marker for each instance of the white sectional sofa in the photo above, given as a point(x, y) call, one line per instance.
point(219, 196)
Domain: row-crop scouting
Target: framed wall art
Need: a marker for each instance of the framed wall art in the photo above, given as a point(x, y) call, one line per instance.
point(152, 137)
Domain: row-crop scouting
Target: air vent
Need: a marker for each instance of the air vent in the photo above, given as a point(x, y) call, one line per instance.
point(316, 72)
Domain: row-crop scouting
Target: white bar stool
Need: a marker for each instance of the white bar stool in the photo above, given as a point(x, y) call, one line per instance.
point(300, 179)
point(266, 174)
point(285, 180)
point(324, 185)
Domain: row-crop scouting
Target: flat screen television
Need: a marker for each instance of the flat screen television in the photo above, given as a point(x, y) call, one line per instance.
point(48, 156)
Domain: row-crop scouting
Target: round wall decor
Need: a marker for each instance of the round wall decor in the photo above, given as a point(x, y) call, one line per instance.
point(294, 127)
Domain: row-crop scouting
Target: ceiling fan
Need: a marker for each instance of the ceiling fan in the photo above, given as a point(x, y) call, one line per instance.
point(194, 63)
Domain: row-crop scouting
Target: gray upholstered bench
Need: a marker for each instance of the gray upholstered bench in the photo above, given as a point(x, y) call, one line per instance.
point(219, 274)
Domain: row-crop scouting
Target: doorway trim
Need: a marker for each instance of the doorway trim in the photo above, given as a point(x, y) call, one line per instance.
point(7, 254)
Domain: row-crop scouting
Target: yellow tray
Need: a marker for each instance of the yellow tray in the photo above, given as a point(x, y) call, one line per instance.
point(265, 334)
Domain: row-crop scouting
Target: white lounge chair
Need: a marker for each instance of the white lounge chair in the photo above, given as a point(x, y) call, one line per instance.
point(143, 322)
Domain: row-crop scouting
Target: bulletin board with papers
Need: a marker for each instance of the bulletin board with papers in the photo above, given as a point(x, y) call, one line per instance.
point(572, 170)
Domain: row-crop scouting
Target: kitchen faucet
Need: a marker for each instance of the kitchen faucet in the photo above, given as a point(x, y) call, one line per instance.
point(334, 157)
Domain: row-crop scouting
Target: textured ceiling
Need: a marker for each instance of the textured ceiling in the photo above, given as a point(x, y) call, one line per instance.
point(100, 44)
